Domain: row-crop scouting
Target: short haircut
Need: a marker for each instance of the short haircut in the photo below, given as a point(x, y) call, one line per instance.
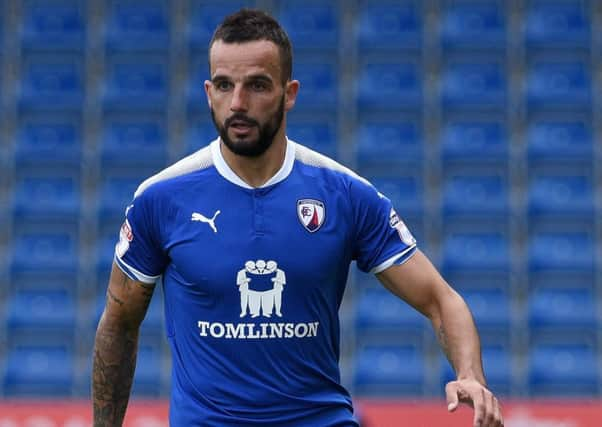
point(248, 25)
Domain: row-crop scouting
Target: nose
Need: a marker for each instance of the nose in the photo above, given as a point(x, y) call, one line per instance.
point(239, 99)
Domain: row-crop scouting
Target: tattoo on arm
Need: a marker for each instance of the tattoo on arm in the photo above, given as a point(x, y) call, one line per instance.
point(112, 296)
point(441, 336)
point(112, 376)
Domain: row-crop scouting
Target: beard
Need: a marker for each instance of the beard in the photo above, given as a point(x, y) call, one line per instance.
point(258, 146)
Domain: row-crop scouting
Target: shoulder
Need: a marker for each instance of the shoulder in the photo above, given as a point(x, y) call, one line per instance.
point(176, 174)
point(317, 163)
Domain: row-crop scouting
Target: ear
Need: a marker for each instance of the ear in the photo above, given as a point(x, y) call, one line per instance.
point(208, 85)
point(291, 90)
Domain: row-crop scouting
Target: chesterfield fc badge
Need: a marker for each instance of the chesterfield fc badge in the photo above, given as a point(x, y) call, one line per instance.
point(311, 213)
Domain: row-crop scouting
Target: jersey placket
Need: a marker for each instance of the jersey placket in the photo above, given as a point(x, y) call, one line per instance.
point(258, 211)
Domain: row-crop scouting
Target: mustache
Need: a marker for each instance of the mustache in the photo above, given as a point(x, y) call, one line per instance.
point(240, 117)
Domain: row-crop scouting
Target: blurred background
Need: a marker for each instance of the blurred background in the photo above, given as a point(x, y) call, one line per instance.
point(480, 119)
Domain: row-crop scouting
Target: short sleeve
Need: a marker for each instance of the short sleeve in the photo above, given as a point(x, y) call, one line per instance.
point(381, 237)
point(139, 252)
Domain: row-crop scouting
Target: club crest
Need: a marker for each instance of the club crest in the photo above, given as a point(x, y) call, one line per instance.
point(311, 213)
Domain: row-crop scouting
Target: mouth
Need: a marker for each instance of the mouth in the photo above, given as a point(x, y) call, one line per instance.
point(240, 126)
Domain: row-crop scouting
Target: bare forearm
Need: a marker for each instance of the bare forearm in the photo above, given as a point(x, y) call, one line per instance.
point(113, 371)
point(459, 339)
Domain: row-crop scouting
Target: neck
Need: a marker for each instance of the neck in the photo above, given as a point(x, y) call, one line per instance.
point(256, 171)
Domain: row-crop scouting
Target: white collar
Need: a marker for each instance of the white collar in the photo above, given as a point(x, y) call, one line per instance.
point(225, 170)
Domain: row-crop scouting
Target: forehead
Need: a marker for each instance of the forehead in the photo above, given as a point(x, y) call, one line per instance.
point(239, 59)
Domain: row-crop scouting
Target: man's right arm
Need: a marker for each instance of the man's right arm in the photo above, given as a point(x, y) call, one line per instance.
point(116, 345)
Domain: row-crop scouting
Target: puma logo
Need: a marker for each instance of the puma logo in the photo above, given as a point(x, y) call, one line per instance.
point(202, 218)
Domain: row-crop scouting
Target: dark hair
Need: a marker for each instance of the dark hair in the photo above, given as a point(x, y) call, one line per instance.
point(251, 25)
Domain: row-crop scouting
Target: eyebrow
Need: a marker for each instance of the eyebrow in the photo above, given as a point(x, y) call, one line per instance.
point(252, 77)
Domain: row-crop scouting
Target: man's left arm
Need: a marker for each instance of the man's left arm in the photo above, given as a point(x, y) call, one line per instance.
point(419, 283)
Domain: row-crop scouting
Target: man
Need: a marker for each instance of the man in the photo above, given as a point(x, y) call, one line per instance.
point(282, 205)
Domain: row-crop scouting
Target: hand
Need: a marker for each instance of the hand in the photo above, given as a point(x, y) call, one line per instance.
point(487, 411)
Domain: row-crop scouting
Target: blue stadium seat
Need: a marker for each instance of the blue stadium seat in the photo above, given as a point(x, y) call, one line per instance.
point(51, 83)
point(194, 92)
point(115, 193)
point(559, 194)
point(498, 366)
point(388, 26)
point(319, 134)
point(319, 86)
point(205, 16)
point(492, 311)
point(474, 85)
point(136, 82)
point(137, 25)
point(200, 133)
point(389, 369)
point(406, 192)
point(473, 25)
point(148, 374)
point(134, 140)
point(42, 313)
point(566, 309)
point(311, 24)
point(562, 369)
point(403, 83)
point(53, 25)
point(49, 141)
point(558, 85)
point(557, 25)
point(34, 370)
point(561, 140)
point(475, 141)
point(378, 310)
point(394, 143)
point(475, 251)
point(481, 195)
point(51, 251)
point(47, 198)
point(561, 251)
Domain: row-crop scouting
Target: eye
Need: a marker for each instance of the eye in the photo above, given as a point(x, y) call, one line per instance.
point(259, 86)
point(223, 85)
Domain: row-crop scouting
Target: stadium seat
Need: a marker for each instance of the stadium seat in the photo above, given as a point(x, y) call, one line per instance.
point(557, 25)
point(561, 140)
point(136, 83)
point(319, 86)
point(563, 310)
point(475, 141)
point(492, 311)
point(474, 85)
point(558, 85)
point(475, 251)
point(562, 369)
point(51, 251)
point(319, 134)
point(57, 25)
point(310, 24)
point(473, 25)
point(51, 83)
point(485, 196)
point(388, 26)
point(561, 251)
point(388, 369)
point(47, 199)
point(498, 365)
point(561, 195)
point(134, 140)
point(115, 193)
point(394, 143)
point(378, 310)
point(199, 134)
point(406, 192)
point(403, 83)
point(41, 314)
point(137, 25)
point(205, 16)
point(34, 370)
point(148, 374)
point(49, 141)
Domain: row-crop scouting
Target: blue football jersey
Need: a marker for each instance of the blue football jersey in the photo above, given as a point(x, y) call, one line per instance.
point(253, 279)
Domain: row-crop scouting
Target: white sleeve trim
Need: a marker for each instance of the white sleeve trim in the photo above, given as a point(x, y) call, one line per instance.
point(134, 274)
point(390, 261)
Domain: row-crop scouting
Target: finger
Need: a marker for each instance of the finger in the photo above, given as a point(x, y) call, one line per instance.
point(490, 419)
point(451, 393)
point(498, 413)
point(478, 400)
